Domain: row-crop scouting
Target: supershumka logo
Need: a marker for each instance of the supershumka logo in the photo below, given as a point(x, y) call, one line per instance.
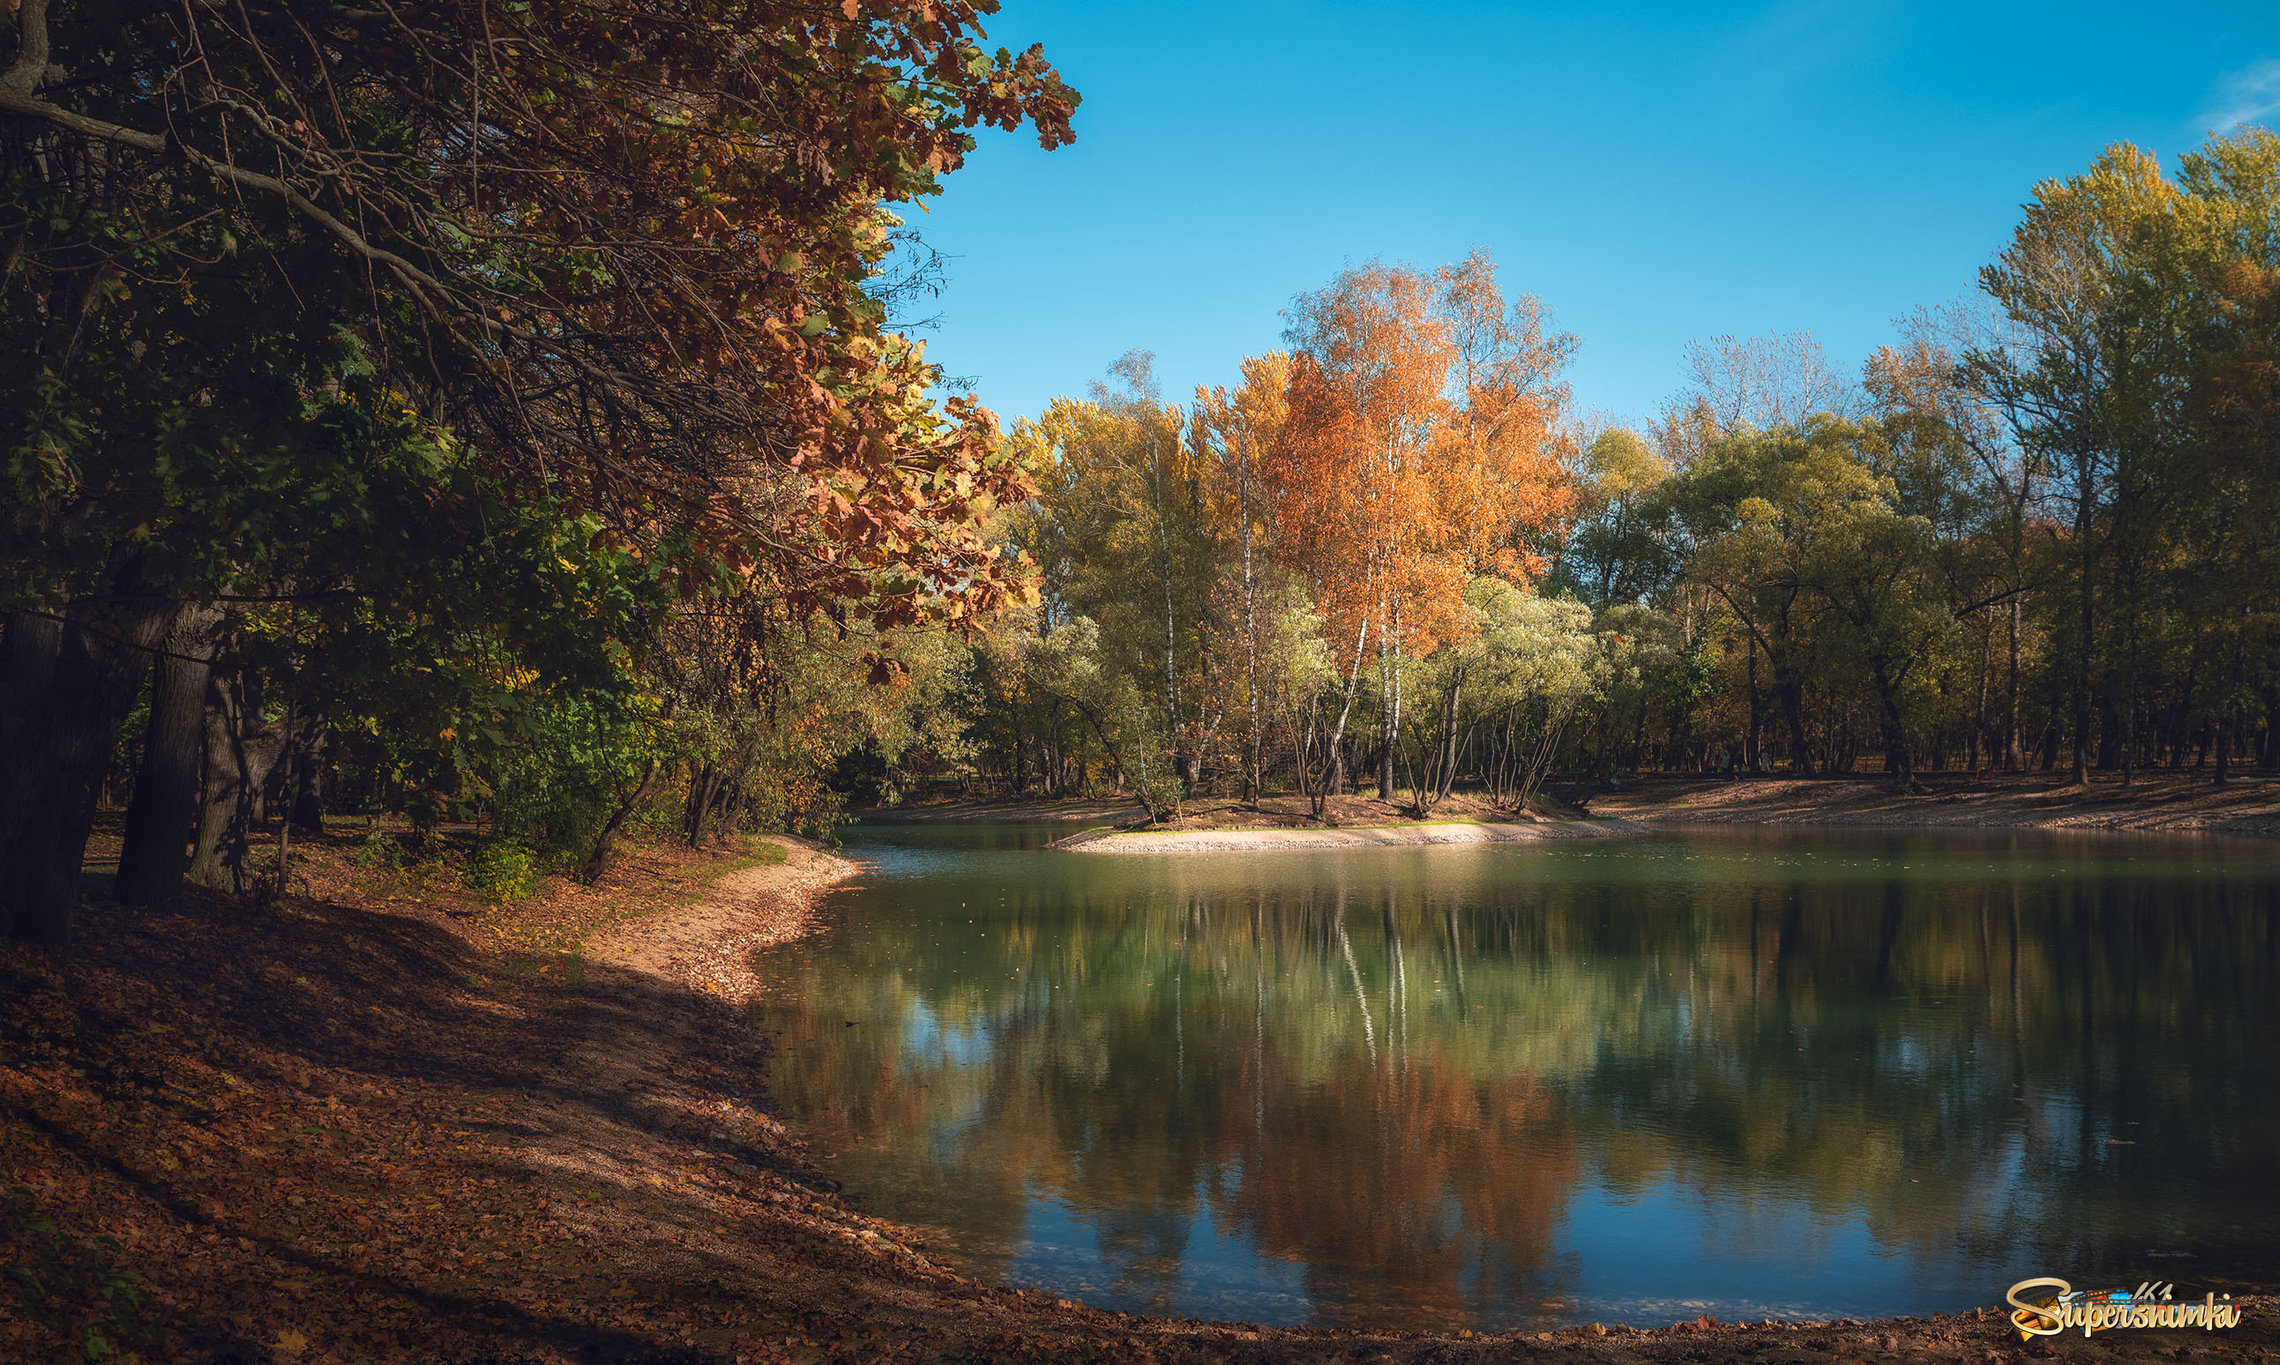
point(2061, 1307)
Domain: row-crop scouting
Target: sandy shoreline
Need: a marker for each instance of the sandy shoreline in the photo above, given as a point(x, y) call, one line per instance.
point(708, 945)
point(1374, 836)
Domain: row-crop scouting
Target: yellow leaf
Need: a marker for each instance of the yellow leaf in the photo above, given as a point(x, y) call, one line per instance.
point(292, 1343)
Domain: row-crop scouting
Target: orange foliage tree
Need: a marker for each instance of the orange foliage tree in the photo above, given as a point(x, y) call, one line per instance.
point(1420, 450)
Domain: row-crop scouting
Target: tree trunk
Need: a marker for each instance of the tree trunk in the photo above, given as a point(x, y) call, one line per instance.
point(1789, 690)
point(1899, 759)
point(2013, 759)
point(305, 803)
point(1752, 747)
point(2088, 622)
point(599, 858)
point(65, 687)
point(241, 750)
point(1172, 727)
point(1389, 662)
point(1254, 777)
point(162, 819)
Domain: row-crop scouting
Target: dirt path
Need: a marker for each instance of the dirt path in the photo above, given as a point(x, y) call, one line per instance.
point(708, 945)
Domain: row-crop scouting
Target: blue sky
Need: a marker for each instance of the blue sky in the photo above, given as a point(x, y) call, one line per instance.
point(1653, 172)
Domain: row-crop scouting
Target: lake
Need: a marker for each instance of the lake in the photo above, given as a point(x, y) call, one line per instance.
point(1746, 1072)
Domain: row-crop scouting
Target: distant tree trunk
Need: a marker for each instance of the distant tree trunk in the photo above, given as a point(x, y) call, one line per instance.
point(1899, 758)
point(1753, 747)
point(1789, 690)
point(1389, 712)
point(65, 687)
point(241, 749)
point(2109, 729)
point(1173, 730)
point(305, 804)
point(2129, 681)
point(1254, 775)
point(2013, 760)
point(2082, 522)
point(162, 818)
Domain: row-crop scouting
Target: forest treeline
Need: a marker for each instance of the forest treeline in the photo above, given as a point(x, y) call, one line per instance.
point(496, 412)
point(2040, 530)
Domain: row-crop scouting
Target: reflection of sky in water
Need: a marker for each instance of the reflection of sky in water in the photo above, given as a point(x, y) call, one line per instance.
point(1219, 1275)
point(925, 1036)
point(1776, 1259)
point(1771, 1074)
point(1778, 1262)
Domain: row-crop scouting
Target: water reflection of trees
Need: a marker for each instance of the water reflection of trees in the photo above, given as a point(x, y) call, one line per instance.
point(1393, 1073)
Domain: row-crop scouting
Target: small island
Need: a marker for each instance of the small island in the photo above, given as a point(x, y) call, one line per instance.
point(1286, 823)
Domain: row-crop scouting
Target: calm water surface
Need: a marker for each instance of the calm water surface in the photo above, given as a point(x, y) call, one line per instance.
point(1752, 1073)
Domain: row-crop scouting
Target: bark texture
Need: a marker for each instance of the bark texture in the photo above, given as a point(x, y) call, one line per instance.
point(162, 817)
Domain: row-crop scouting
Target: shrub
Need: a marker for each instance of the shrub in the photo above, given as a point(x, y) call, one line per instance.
point(380, 852)
point(500, 871)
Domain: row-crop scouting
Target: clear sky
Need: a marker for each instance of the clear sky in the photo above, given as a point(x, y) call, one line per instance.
point(1653, 172)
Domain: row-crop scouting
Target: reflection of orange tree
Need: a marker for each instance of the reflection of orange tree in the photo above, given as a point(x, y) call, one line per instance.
point(1431, 1205)
point(900, 1127)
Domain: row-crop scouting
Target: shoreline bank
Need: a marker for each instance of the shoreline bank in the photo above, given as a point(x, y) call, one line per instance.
point(2158, 803)
point(2153, 804)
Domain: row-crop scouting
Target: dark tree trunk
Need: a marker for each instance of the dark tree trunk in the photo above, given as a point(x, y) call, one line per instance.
point(2089, 621)
point(218, 858)
point(1899, 755)
point(30, 657)
point(696, 813)
point(65, 687)
point(2109, 729)
point(598, 860)
point(1753, 746)
point(1790, 691)
point(305, 805)
point(162, 819)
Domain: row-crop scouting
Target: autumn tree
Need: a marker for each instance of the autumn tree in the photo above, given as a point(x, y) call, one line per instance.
point(1237, 430)
point(629, 260)
point(2094, 383)
point(1421, 448)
